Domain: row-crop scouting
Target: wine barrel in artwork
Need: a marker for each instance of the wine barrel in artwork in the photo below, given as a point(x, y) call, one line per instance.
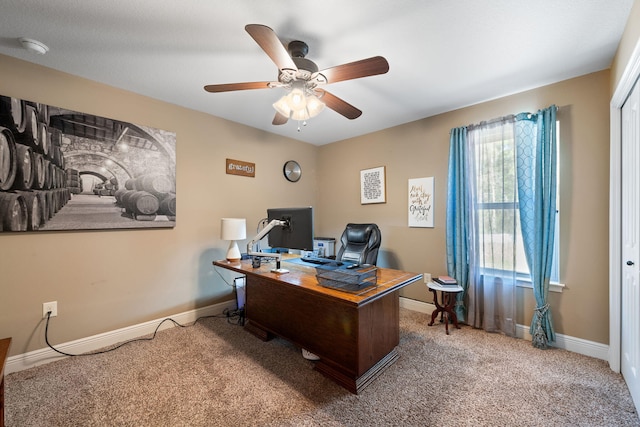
point(42, 110)
point(34, 210)
point(130, 184)
point(25, 165)
point(141, 203)
point(48, 179)
point(61, 197)
point(13, 212)
point(43, 139)
point(124, 198)
point(51, 204)
point(12, 114)
point(31, 134)
point(39, 171)
point(44, 206)
point(168, 205)
point(56, 156)
point(156, 184)
point(118, 194)
point(8, 159)
point(74, 181)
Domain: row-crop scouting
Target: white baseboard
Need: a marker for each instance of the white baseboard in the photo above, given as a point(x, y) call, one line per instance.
point(46, 355)
point(95, 342)
point(565, 342)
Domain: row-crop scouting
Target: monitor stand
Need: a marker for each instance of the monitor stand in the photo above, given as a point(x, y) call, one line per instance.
point(279, 270)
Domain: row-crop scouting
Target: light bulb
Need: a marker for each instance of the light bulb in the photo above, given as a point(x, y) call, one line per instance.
point(296, 99)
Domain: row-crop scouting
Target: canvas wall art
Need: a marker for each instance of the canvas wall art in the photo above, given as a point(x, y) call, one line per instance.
point(66, 170)
point(421, 202)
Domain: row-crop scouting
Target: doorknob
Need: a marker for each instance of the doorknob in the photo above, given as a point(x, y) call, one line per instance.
point(630, 262)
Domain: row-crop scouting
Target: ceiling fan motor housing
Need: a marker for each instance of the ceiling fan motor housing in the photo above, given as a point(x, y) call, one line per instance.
point(298, 49)
point(306, 68)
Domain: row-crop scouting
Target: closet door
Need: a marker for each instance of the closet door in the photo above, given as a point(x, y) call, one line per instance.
point(630, 310)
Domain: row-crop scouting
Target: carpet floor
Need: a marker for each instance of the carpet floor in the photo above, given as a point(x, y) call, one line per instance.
point(214, 373)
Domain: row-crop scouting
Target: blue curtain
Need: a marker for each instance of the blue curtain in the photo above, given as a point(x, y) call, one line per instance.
point(536, 171)
point(457, 216)
point(537, 182)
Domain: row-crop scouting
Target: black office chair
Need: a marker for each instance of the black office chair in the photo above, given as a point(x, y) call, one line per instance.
point(360, 244)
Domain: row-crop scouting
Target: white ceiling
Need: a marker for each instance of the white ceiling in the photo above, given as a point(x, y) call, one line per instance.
point(443, 54)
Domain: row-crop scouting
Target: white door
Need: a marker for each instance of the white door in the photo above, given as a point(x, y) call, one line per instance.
point(630, 310)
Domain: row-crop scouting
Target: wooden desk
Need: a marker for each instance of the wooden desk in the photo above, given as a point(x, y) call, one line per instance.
point(355, 336)
point(4, 350)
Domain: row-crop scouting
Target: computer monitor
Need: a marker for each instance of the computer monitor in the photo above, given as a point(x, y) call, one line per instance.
point(297, 233)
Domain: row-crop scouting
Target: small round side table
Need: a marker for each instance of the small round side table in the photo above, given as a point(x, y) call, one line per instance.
point(448, 299)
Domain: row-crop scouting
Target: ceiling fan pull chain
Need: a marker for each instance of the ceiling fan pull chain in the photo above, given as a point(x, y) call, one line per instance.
point(304, 123)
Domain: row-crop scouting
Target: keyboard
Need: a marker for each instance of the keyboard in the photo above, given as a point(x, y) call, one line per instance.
point(320, 261)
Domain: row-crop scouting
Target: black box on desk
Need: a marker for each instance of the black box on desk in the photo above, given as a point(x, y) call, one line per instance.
point(347, 279)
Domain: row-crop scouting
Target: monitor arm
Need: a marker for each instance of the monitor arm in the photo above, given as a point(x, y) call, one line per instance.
point(266, 230)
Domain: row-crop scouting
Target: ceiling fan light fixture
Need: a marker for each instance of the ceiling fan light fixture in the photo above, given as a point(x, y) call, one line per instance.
point(299, 106)
point(314, 105)
point(282, 106)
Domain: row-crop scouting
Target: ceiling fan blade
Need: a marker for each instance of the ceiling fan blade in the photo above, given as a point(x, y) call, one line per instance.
point(355, 70)
point(339, 106)
point(271, 44)
point(228, 87)
point(279, 119)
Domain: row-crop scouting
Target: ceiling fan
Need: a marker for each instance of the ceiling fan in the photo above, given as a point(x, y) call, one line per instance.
point(302, 79)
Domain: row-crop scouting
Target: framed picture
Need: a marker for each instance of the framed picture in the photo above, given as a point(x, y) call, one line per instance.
point(372, 186)
point(421, 202)
point(70, 170)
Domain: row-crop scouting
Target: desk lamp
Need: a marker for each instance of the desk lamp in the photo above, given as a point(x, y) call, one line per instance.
point(233, 229)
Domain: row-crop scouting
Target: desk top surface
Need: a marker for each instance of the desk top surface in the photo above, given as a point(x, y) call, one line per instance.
point(388, 280)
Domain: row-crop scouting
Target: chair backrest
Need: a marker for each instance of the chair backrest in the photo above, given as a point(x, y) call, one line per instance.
point(360, 243)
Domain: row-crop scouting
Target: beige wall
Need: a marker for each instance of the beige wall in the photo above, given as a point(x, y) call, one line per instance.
point(112, 279)
point(420, 149)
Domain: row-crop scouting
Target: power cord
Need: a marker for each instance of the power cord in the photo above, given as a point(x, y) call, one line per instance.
point(235, 317)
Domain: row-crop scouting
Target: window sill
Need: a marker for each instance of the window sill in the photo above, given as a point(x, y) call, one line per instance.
point(553, 287)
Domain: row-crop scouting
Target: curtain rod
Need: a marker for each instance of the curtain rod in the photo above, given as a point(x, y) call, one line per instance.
point(507, 118)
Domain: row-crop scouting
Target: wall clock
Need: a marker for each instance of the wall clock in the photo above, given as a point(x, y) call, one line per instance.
point(292, 171)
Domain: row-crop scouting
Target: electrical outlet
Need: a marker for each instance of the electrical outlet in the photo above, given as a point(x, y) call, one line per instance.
point(49, 307)
point(427, 277)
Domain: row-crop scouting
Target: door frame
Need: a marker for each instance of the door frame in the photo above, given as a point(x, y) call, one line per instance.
point(623, 89)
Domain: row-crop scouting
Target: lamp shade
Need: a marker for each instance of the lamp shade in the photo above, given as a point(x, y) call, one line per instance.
point(233, 229)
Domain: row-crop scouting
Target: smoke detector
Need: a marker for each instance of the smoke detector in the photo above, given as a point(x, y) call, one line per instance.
point(33, 45)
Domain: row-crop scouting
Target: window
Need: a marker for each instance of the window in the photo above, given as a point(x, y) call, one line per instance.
point(500, 243)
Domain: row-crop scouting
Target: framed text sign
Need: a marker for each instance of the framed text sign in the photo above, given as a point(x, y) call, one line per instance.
point(421, 202)
point(372, 185)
